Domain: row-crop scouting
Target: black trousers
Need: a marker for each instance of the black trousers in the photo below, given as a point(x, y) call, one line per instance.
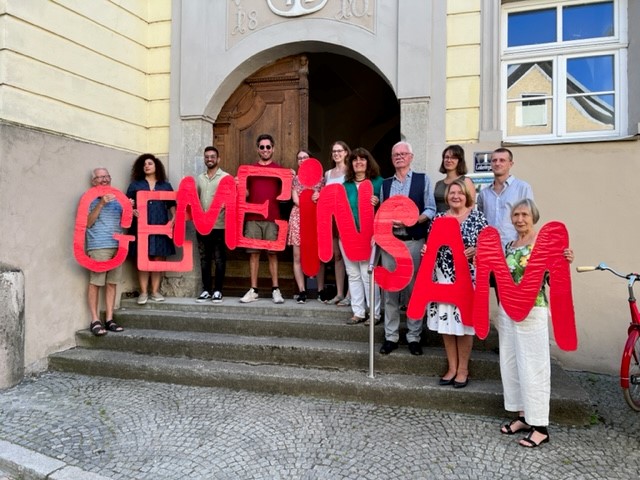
point(212, 249)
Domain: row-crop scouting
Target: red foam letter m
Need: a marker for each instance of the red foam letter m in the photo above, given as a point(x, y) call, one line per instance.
point(518, 300)
point(225, 197)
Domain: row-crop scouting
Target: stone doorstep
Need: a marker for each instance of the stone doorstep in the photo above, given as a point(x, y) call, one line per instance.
point(569, 404)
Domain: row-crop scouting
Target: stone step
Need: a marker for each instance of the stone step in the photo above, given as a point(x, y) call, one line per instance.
point(568, 404)
point(303, 352)
point(312, 320)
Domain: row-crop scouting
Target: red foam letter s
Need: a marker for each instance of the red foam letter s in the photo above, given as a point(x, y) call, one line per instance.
point(81, 228)
point(405, 210)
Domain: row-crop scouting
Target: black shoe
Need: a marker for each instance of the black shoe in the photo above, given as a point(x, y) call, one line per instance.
point(302, 297)
point(444, 382)
point(460, 384)
point(388, 347)
point(415, 348)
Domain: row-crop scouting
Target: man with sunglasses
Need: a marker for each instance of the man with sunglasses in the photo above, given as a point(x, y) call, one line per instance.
point(260, 190)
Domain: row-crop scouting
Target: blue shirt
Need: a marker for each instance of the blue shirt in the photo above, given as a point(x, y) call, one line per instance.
point(497, 206)
point(100, 235)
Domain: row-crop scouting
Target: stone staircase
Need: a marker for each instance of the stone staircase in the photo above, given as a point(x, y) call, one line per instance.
point(297, 350)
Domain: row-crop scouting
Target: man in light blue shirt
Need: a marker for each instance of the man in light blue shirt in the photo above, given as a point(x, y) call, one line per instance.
point(496, 201)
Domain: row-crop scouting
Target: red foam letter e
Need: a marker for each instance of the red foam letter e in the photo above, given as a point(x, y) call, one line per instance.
point(81, 228)
point(144, 230)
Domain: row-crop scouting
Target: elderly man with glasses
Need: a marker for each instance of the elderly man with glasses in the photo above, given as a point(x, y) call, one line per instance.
point(417, 187)
point(103, 222)
point(260, 190)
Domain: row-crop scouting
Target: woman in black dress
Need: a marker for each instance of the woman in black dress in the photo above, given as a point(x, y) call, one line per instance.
point(148, 174)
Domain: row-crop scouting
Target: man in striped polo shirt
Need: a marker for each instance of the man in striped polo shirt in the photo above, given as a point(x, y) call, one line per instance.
point(103, 221)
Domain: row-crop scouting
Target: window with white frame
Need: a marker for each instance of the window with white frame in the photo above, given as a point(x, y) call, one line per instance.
point(563, 69)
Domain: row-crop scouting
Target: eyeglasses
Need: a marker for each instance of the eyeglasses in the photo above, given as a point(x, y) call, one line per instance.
point(265, 147)
point(210, 156)
point(401, 154)
point(449, 157)
point(302, 157)
point(337, 151)
point(102, 177)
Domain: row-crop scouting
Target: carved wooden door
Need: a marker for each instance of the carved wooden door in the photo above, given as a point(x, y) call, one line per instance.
point(274, 100)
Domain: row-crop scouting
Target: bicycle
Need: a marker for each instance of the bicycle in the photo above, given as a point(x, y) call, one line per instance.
point(630, 365)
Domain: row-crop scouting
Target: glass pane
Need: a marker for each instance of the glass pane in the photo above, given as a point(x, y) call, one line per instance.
point(530, 117)
point(529, 79)
point(531, 28)
point(590, 74)
point(587, 21)
point(590, 113)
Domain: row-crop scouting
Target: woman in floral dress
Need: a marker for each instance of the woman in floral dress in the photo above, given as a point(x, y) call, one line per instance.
point(444, 318)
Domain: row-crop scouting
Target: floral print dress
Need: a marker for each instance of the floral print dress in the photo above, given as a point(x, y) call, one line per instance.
point(517, 260)
point(445, 318)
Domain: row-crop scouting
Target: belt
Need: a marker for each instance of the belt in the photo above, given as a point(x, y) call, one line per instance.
point(404, 238)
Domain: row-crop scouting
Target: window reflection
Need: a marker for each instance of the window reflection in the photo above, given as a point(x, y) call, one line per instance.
point(520, 31)
point(587, 21)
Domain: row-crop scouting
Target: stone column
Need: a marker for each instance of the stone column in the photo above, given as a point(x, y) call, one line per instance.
point(11, 326)
point(196, 134)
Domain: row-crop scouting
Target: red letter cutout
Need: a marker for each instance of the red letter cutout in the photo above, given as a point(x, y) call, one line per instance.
point(244, 207)
point(333, 203)
point(309, 175)
point(225, 197)
point(445, 231)
point(81, 228)
point(144, 230)
point(399, 208)
point(518, 300)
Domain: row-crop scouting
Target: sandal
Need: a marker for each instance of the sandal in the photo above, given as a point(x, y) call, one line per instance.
point(96, 328)
point(113, 326)
point(355, 320)
point(529, 443)
point(507, 429)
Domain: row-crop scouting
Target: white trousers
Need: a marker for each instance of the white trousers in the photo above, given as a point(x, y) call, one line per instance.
point(525, 365)
point(359, 287)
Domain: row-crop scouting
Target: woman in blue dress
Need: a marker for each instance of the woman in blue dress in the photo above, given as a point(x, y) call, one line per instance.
point(148, 174)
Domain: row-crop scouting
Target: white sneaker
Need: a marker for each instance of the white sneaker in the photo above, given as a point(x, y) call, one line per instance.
point(250, 296)
point(156, 297)
point(142, 298)
point(277, 296)
point(217, 297)
point(204, 296)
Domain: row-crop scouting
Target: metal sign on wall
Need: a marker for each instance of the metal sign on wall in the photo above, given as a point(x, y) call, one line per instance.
point(481, 162)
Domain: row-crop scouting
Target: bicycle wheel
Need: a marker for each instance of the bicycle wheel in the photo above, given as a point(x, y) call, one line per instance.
point(630, 369)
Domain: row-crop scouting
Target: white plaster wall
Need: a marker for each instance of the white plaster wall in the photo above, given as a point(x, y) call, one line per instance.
point(42, 177)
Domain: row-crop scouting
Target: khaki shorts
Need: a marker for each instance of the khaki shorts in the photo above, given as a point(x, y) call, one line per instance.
point(260, 230)
point(111, 276)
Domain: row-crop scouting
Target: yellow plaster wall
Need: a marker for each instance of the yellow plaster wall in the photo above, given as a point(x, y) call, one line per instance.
point(95, 70)
point(463, 71)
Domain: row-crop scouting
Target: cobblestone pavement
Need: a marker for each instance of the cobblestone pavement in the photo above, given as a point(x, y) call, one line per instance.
point(125, 429)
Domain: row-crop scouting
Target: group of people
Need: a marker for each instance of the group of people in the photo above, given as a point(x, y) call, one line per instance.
point(507, 204)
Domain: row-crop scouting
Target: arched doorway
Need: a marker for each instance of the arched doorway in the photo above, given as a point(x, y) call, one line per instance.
point(305, 101)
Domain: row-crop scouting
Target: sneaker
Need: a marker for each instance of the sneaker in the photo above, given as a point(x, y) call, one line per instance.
point(142, 298)
point(321, 298)
point(337, 299)
point(204, 296)
point(345, 302)
point(250, 296)
point(217, 297)
point(301, 297)
point(277, 296)
point(156, 297)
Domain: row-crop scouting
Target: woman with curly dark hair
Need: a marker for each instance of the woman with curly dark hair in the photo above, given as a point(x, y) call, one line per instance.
point(148, 174)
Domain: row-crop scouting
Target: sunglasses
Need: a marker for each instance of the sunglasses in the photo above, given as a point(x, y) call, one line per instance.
point(263, 147)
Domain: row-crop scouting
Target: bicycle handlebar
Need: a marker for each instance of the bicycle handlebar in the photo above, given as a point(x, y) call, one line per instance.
point(586, 269)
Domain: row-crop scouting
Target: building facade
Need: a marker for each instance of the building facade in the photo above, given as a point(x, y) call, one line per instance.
point(87, 84)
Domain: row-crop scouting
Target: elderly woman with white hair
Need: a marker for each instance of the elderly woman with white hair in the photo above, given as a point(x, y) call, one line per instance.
point(525, 364)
